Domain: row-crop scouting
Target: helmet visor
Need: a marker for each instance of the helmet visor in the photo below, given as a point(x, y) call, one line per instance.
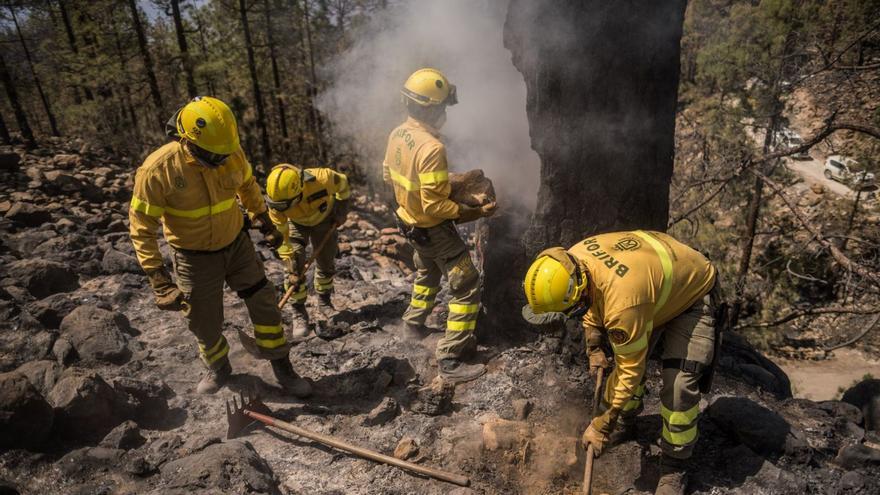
point(284, 204)
point(452, 98)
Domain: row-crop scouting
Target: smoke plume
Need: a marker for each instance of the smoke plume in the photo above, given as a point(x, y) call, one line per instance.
point(488, 129)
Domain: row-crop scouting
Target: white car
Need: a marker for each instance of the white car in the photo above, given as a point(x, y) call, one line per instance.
point(847, 170)
point(787, 138)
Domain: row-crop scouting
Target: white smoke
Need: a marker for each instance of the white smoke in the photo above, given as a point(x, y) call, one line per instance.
point(488, 129)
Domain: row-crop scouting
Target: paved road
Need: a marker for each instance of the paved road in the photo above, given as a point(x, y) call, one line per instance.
point(811, 171)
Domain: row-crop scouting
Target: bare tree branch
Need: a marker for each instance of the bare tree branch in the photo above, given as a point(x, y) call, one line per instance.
point(810, 312)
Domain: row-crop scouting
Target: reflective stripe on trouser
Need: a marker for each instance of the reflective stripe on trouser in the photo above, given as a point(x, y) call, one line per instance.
point(691, 335)
point(325, 260)
point(201, 276)
point(445, 253)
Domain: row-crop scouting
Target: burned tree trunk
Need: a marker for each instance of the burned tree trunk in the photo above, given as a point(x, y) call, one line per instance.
point(602, 81)
point(184, 50)
point(148, 60)
point(20, 117)
point(255, 83)
point(53, 124)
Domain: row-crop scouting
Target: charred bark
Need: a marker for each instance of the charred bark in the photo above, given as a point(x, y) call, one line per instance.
point(276, 74)
point(5, 138)
point(20, 117)
point(602, 81)
point(184, 51)
point(71, 43)
point(255, 83)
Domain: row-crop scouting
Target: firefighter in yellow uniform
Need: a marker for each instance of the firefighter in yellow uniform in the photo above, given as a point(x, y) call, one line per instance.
point(192, 187)
point(638, 289)
point(415, 166)
point(307, 206)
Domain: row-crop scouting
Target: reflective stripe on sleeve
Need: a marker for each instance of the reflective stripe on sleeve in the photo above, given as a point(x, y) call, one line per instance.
point(214, 209)
point(343, 195)
point(634, 345)
point(434, 177)
point(142, 206)
point(403, 181)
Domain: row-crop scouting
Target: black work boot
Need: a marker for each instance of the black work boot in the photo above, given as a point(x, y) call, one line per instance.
point(214, 379)
point(289, 380)
point(626, 431)
point(325, 304)
point(455, 371)
point(300, 326)
point(673, 476)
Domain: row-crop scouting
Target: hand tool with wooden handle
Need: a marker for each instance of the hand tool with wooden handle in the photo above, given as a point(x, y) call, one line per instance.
point(588, 468)
point(315, 252)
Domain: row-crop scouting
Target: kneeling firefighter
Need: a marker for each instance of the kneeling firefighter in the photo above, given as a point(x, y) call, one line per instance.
point(637, 289)
point(192, 187)
point(307, 206)
point(415, 166)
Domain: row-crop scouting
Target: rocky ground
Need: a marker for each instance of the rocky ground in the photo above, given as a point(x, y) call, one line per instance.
point(96, 390)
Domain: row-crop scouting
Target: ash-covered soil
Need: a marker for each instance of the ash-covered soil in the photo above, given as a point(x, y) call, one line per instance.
point(97, 390)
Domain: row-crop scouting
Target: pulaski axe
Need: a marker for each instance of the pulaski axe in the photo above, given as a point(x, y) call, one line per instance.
point(245, 411)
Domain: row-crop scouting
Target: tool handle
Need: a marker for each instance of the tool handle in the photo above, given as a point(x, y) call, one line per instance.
point(588, 467)
point(289, 291)
point(360, 451)
point(588, 471)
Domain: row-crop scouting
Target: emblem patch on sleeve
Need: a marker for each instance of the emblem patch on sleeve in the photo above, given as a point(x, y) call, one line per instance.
point(617, 336)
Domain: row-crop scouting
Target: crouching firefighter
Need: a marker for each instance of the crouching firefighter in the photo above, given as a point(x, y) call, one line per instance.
point(192, 187)
point(306, 207)
point(637, 289)
point(415, 166)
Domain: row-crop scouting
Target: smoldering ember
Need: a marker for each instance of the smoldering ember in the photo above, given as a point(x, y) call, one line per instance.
point(457, 247)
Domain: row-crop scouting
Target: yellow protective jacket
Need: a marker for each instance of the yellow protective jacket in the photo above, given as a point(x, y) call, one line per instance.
point(415, 165)
point(639, 280)
point(322, 187)
point(196, 205)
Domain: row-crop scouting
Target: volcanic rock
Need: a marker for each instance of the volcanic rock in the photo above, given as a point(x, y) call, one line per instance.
point(43, 374)
point(43, 278)
point(503, 434)
point(126, 436)
point(472, 188)
point(66, 161)
point(147, 401)
point(383, 413)
point(51, 310)
point(761, 429)
point(25, 416)
point(97, 334)
point(856, 456)
point(866, 396)
point(522, 408)
point(231, 467)
point(22, 341)
point(407, 448)
point(117, 262)
point(86, 407)
point(435, 399)
point(9, 162)
point(28, 215)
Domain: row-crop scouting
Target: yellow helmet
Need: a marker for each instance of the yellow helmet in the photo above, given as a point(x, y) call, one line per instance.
point(284, 187)
point(429, 87)
point(554, 282)
point(209, 124)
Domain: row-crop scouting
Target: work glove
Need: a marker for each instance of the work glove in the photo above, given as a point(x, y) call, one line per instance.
point(468, 213)
point(168, 296)
point(340, 212)
point(596, 349)
point(598, 431)
point(273, 237)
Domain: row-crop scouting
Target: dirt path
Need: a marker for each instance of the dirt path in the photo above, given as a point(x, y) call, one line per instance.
point(811, 171)
point(822, 380)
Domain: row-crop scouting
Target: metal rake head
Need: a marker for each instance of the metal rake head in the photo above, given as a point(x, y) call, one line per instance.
point(236, 416)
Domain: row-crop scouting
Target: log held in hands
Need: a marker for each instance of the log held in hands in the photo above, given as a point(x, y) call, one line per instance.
point(359, 451)
point(315, 252)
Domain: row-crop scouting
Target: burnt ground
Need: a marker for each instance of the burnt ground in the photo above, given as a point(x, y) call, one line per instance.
point(102, 382)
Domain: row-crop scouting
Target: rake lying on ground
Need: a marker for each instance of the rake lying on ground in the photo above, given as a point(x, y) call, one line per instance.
point(245, 411)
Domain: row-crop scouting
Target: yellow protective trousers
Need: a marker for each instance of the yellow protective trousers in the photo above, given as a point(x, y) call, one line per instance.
point(201, 275)
point(445, 253)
